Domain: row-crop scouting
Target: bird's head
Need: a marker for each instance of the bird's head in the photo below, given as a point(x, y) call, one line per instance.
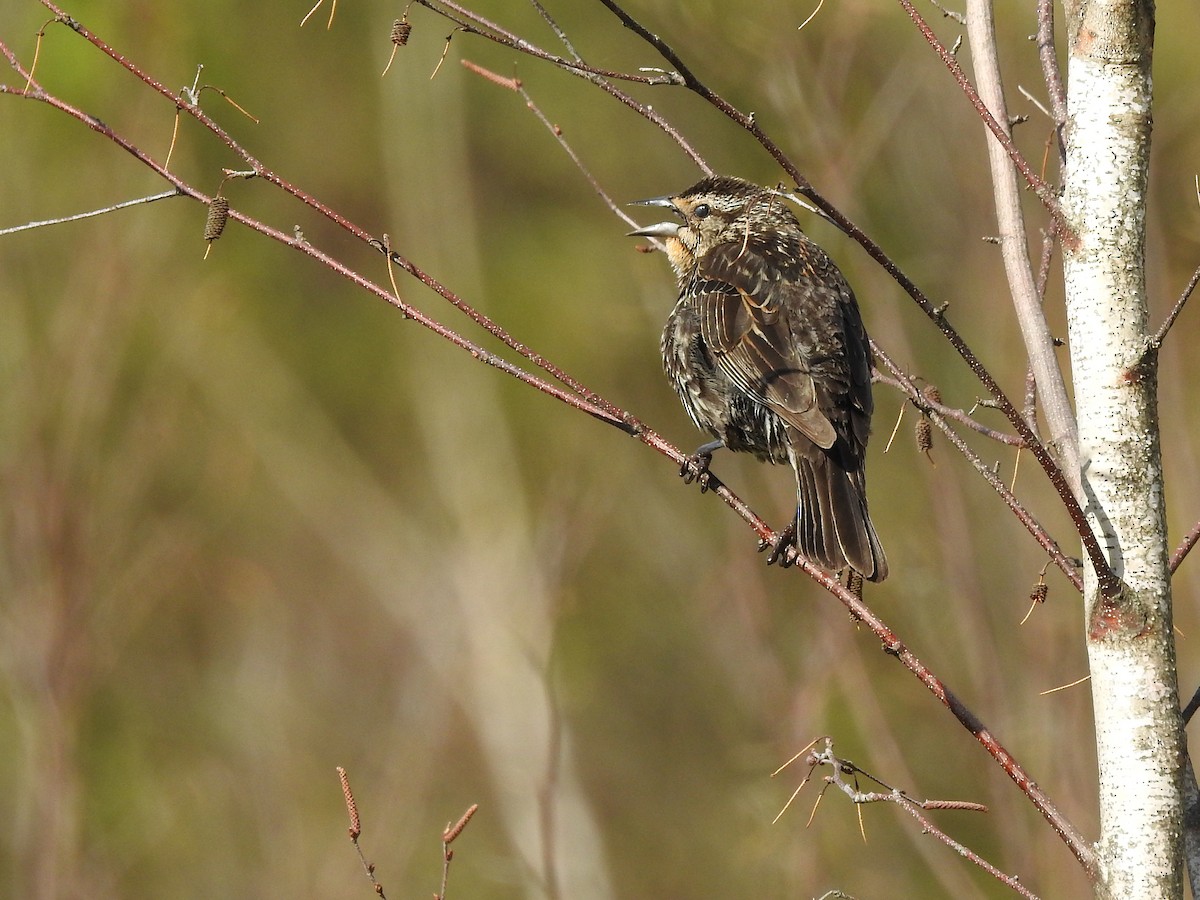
point(715, 211)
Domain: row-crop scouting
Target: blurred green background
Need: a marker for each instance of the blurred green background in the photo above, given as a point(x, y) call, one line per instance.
point(256, 525)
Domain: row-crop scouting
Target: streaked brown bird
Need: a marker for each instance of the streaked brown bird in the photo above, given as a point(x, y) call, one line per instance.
point(767, 350)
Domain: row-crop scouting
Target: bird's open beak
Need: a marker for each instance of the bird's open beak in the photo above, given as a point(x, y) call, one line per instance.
point(662, 229)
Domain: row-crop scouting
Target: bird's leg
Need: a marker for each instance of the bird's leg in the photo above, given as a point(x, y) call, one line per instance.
point(780, 546)
point(695, 467)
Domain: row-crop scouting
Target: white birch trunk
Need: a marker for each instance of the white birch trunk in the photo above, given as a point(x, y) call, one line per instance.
point(1129, 637)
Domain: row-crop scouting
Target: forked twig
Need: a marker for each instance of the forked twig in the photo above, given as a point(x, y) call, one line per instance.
point(844, 772)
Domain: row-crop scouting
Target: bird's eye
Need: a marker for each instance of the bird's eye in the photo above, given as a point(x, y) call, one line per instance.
point(701, 211)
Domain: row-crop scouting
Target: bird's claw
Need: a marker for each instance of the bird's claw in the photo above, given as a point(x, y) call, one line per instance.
point(695, 469)
point(783, 548)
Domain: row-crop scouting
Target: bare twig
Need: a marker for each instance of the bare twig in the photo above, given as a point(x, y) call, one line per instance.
point(949, 13)
point(473, 23)
point(1160, 335)
point(165, 195)
point(558, 32)
point(1192, 705)
point(1035, 182)
point(958, 415)
point(1189, 541)
point(1065, 564)
point(1051, 72)
point(448, 836)
point(515, 84)
point(841, 769)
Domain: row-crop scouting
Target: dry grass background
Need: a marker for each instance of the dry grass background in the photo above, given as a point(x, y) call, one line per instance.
point(256, 525)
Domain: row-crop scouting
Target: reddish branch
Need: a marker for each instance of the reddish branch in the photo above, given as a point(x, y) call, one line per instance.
point(1043, 190)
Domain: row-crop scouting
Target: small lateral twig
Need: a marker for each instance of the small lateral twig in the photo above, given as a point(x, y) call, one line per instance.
point(1192, 705)
point(900, 379)
point(1156, 341)
point(958, 415)
point(27, 226)
point(845, 776)
point(517, 86)
point(1181, 552)
point(1051, 71)
point(473, 23)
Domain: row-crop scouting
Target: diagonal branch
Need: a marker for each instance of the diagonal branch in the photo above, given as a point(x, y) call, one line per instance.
point(1067, 566)
point(1035, 182)
point(472, 23)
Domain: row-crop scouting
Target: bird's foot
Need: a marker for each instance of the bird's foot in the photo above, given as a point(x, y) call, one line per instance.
point(695, 467)
point(783, 548)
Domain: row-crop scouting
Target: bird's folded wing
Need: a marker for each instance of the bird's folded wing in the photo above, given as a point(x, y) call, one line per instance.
point(743, 325)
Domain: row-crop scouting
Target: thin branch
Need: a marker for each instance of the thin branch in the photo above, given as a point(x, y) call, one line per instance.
point(1192, 705)
point(1044, 192)
point(1051, 72)
point(165, 195)
point(1066, 565)
point(558, 32)
point(472, 22)
point(516, 85)
point(600, 77)
point(1027, 299)
point(958, 415)
point(448, 837)
point(355, 831)
point(1181, 552)
point(1161, 334)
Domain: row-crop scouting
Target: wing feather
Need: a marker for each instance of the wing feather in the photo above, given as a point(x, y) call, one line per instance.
point(741, 314)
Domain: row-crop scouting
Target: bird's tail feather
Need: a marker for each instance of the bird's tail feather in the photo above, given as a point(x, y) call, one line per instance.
point(833, 527)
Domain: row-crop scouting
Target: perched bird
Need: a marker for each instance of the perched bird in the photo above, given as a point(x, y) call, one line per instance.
point(767, 350)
